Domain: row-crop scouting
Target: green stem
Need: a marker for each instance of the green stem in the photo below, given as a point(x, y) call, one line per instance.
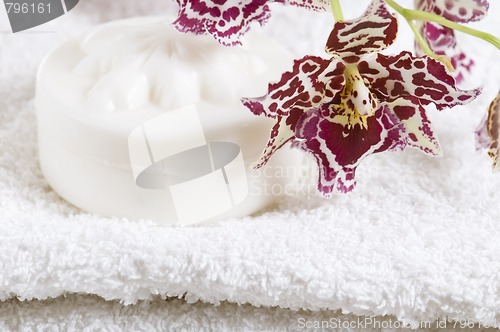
point(421, 40)
point(418, 36)
point(423, 16)
point(337, 10)
point(418, 15)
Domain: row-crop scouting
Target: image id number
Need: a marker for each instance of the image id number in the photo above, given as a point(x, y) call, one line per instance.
point(25, 8)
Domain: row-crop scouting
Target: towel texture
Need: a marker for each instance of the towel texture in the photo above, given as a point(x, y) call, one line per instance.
point(418, 239)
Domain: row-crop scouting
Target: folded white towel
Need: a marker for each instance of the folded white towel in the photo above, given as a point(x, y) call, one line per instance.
point(418, 239)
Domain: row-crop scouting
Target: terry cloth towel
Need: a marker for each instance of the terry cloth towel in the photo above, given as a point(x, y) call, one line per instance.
point(417, 242)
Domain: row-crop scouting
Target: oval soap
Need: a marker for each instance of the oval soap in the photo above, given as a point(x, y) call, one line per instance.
point(137, 120)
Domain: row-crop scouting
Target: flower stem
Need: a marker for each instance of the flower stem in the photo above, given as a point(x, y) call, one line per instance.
point(421, 40)
point(418, 36)
point(418, 15)
point(337, 10)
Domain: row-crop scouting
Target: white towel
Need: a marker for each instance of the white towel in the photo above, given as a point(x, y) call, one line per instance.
point(418, 239)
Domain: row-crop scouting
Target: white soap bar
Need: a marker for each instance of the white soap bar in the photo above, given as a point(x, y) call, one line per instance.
point(137, 120)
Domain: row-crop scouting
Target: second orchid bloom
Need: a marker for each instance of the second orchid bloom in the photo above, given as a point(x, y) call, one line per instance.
point(441, 39)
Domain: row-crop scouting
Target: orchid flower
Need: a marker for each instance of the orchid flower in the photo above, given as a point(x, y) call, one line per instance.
point(441, 39)
point(357, 103)
point(488, 133)
point(228, 20)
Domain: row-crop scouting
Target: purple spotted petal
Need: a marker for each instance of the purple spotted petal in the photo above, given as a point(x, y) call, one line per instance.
point(311, 80)
point(228, 20)
point(403, 75)
point(374, 31)
point(462, 11)
point(417, 125)
point(439, 37)
point(281, 133)
point(339, 143)
point(225, 20)
point(488, 134)
point(316, 5)
point(442, 41)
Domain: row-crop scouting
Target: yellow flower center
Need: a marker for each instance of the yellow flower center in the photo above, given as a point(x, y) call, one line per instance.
point(357, 102)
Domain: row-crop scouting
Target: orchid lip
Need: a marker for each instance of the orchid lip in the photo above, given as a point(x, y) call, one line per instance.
point(356, 96)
